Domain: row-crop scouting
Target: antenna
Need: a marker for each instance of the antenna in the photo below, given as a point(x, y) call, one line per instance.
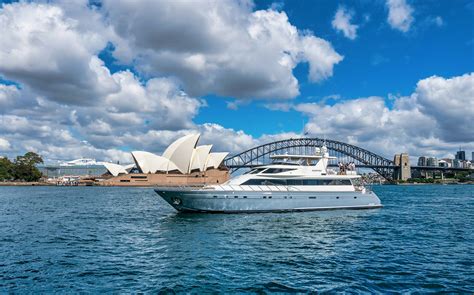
point(303, 131)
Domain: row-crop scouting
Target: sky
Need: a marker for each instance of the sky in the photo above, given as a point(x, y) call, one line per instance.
point(102, 78)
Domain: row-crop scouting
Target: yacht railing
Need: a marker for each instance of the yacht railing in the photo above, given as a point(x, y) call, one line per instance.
point(258, 188)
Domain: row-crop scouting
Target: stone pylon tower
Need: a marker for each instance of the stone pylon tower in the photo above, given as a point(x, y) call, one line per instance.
point(402, 161)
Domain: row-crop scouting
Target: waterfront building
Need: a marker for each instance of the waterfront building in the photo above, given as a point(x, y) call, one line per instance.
point(466, 164)
point(182, 163)
point(461, 155)
point(432, 162)
point(182, 156)
point(81, 162)
point(56, 171)
point(472, 157)
point(448, 161)
point(457, 163)
point(443, 164)
point(422, 161)
point(79, 167)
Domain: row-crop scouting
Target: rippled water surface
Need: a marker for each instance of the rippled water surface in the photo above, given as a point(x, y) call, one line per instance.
point(93, 239)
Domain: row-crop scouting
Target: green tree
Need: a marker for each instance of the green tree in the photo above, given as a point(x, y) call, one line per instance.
point(25, 169)
point(30, 158)
point(6, 169)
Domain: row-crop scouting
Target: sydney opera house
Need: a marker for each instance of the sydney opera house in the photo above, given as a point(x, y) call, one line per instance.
point(182, 163)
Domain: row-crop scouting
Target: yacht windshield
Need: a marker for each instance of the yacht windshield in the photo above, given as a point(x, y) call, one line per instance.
point(258, 170)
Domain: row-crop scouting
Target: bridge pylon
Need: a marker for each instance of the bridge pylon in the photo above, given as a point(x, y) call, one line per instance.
point(402, 169)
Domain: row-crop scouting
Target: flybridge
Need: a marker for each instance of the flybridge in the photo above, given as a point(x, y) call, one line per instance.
point(321, 157)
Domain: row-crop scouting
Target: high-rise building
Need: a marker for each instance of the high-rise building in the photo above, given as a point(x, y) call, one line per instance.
point(432, 162)
point(472, 157)
point(461, 155)
point(422, 161)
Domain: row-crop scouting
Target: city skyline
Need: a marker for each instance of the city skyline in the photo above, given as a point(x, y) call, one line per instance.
point(102, 78)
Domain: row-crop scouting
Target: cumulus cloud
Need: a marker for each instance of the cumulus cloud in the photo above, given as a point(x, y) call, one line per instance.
point(46, 50)
point(8, 96)
point(399, 15)
point(220, 47)
point(4, 145)
point(66, 104)
point(451, 102)
point(342, 23)
point(434, 119)
point(65, 96)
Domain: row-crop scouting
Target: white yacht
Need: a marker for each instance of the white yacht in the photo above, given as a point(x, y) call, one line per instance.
point(290, 183)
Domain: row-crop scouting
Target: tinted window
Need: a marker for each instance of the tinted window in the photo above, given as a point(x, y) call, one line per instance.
point(264, 182)
point(297, 182)
point(319, 182)
point(277, 170)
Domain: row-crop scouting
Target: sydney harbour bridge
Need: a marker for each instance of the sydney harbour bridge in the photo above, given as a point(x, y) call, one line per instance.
point(306, 146)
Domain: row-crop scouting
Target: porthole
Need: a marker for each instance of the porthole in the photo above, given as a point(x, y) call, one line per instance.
point(264, 197)
point(236, 197)
point(245, 197)
point(355, 197)
point(312, 197)
point(337, 197)
point(215, 196)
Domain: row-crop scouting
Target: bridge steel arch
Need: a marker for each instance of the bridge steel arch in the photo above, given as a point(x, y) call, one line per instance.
point(255, 156)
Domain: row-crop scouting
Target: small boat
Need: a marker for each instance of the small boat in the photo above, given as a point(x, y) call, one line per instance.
point(290, 183)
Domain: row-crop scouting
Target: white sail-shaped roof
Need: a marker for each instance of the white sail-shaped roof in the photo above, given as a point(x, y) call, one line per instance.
point(215, 159)
point(115, 169)
point(129, 167)
point(180, 152)
point(151, 163)
point(199, 158)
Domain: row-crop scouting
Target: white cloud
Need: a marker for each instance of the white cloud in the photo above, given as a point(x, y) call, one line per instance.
point(400, 15)
point(438, 20)
point(433, 120)
point(451, 103)
point(69, 105)
point(51, 53)
point(8, 96)
point(218, 47)
point(342, 23)
point(4, 145)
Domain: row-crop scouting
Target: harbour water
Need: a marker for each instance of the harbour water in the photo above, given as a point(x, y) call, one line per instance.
point(94, 239)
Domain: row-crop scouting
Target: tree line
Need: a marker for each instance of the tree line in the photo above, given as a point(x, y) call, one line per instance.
point(23, 168)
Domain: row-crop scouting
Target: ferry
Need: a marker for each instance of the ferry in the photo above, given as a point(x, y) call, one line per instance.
point(290, 183)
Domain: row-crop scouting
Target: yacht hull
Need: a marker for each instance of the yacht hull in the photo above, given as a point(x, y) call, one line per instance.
point(211, 201)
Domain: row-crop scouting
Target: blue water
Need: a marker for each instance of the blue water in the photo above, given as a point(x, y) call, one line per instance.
point(95, 239)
